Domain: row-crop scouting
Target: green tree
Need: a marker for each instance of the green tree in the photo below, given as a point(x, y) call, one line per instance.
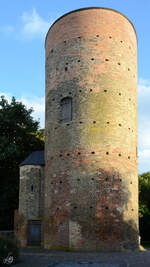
point(19, 136)
point(144, 206)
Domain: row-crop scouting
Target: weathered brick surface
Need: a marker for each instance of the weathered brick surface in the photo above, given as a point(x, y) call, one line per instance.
point(91, 184)
point(31, 202)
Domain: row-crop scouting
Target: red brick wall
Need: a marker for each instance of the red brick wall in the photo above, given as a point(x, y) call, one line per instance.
point(91, 197)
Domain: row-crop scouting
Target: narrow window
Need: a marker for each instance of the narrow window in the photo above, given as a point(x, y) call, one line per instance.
point(32, 188)
point(66, 109)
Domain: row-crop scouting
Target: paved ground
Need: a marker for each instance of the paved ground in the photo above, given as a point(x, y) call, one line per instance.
point(45, 258)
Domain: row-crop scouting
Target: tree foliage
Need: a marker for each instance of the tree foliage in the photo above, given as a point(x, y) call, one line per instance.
point(19, 136)
point(144, 206)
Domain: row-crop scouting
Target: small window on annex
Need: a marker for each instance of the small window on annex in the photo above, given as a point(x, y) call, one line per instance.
point(32, 188)
point(66, 109)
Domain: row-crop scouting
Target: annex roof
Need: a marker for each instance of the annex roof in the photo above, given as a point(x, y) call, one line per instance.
point(35, 158)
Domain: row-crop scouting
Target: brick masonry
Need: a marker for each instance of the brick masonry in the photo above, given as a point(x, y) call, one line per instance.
point(31, 200)
point(91, 181)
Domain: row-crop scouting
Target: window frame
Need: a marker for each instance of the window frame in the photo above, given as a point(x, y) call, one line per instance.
point(66, 109)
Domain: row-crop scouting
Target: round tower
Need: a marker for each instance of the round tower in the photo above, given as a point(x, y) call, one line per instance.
point(91, 181)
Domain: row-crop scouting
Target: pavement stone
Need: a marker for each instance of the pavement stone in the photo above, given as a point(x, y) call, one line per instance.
point(88, 265)
point(46, 258)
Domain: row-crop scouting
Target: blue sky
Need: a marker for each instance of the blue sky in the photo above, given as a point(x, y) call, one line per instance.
point(23, 26)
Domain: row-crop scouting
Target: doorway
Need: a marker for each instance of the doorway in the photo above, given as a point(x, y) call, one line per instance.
point(34, 233)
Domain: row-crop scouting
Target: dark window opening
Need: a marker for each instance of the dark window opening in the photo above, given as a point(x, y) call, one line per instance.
point(32, 188)
point(66, 109)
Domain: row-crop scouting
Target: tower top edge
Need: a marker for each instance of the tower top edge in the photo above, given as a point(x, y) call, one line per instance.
point(86, 8)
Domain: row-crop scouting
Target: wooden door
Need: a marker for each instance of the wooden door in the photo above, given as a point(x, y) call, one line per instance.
point(34, 233)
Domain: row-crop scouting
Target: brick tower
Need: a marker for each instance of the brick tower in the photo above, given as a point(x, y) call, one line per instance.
point(91, 181)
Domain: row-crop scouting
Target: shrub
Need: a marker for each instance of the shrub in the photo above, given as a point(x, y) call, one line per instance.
point(8, 247)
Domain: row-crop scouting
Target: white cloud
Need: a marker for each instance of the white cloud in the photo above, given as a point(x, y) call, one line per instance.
point(8, 96)
point(144, 113)
point(144, 87)
point(144, 124)
point(144, 155)
point(144, 160)
point(144, 133)
point(37, 103)
point(33, 25)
